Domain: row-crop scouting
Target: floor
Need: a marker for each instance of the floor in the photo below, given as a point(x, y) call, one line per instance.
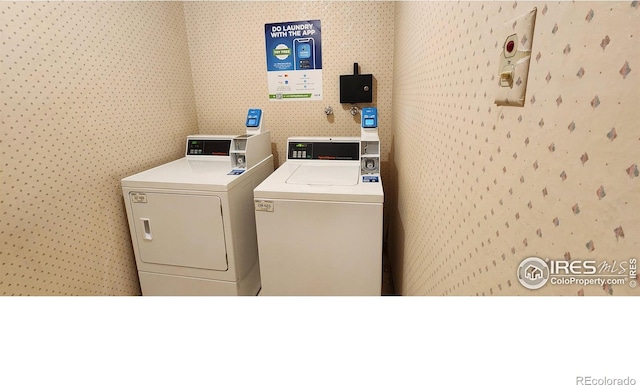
point(387, 281)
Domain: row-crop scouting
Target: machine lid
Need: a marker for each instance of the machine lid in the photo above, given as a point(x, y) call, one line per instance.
point(325, 175)
point(344, 186)
point(185, 174)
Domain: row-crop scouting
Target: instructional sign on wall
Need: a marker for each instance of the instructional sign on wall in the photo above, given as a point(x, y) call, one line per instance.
point(294, 60)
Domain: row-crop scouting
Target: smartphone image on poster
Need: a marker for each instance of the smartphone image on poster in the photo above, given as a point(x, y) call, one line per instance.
point(304, 54)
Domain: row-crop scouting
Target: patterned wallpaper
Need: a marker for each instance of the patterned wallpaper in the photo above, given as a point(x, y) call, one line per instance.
point(229, 66)
point(91, 93)
point(99, 91)
point(472, 188)
point(481, 187)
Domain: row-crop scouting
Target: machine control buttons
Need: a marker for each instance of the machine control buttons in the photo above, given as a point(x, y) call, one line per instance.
point(324, 151)
point(209, 147)
point(299, 150)
point(299, 155)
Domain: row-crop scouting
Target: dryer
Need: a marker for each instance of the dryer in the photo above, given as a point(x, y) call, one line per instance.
point(192, 221)
point(319, 218)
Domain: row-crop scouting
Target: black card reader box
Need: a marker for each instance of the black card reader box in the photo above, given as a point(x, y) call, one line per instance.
point(356, 88)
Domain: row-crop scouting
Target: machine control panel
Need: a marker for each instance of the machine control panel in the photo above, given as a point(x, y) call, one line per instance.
point(369, 118)
point(324, 150)
point(209, 147)
point(253, 118)
point(300, 150)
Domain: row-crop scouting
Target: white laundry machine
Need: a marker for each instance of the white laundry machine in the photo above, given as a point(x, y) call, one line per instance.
point(192, 221)
point(319, 219)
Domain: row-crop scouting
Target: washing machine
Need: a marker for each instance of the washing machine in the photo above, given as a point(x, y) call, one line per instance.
point(192, 221)
point(319, 218)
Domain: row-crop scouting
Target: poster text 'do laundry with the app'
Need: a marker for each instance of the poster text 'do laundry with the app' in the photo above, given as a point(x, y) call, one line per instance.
point(294, 60)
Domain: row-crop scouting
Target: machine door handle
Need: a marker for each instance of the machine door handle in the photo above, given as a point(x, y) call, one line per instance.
point(146, 225)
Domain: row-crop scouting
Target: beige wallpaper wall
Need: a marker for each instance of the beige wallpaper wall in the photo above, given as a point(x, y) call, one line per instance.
point(473, 188)
point(85, 84)
point(227, 47)
point(91, 92)
point(481, 187)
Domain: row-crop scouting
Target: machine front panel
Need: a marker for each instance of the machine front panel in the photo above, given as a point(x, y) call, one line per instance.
point(320, 248)
point(179, 230)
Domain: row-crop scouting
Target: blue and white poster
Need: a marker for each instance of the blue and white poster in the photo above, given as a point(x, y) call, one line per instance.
point(294, 60)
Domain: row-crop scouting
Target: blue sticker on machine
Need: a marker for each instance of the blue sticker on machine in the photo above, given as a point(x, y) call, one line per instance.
point(236, 172)
point(370, 179)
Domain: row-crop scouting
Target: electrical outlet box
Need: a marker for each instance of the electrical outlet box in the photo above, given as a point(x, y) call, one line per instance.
point(515, 57)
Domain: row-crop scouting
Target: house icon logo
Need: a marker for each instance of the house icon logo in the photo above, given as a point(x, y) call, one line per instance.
point(533, 273)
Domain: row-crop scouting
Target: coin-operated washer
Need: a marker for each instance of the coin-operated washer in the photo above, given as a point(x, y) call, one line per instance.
point(319, 217)
point(192, 221)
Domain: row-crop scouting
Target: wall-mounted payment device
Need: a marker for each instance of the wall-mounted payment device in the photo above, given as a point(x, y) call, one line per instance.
point(369, 118)
point(254, 121)
point(356, 88)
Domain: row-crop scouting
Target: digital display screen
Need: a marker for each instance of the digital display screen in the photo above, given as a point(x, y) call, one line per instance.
point(251, 122)
point(209, 147)
point(368, 122)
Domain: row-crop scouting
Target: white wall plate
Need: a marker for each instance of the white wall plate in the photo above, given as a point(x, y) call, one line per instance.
point(515, 56)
